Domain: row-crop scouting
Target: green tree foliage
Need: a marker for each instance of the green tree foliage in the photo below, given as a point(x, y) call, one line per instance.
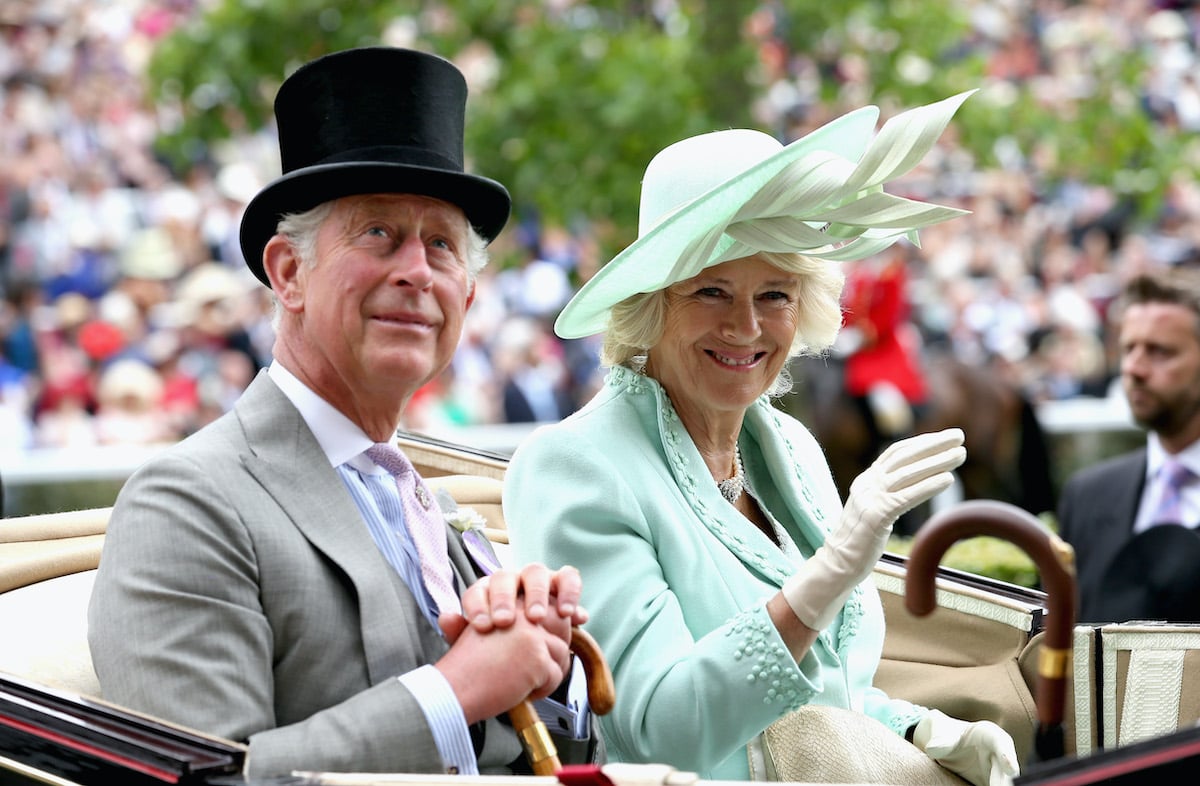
point(569, 100)
point(985, 556)
point(566, 107)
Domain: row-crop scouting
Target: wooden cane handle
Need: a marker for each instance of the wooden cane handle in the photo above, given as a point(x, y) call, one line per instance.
point(601, 692)
point(535, 737)
point(1055, 562)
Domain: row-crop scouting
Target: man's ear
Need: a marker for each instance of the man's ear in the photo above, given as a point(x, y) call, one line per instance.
point(282, 265)
point(470, 296)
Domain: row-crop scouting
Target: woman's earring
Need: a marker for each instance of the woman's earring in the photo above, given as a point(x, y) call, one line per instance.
point(638, 362)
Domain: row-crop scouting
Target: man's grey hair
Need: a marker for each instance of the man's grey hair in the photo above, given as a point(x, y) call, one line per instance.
point(637, 322)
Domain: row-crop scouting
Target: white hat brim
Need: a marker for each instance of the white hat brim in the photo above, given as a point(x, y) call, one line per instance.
point(626, 274)
point(654, 261)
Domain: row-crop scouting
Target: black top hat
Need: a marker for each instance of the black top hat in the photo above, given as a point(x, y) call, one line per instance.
point(1155, 576)
point(366, 121)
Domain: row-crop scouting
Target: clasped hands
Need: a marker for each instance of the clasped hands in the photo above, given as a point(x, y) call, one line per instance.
point(512, 640)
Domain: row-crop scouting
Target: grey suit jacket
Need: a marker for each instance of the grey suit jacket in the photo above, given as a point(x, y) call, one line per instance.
point(241, 594)
point(1095, 514)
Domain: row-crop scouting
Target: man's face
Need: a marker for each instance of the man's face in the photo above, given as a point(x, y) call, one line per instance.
point(384, 300)
point(1160, 367)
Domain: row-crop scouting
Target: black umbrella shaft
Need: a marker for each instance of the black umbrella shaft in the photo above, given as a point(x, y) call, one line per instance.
point(1048, 743)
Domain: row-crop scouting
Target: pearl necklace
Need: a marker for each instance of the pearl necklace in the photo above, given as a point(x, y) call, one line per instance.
point(731, 488)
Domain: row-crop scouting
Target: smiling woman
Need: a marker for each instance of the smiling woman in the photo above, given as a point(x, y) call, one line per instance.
point(719, 563)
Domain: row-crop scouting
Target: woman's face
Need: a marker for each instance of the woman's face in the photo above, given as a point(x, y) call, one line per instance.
point(726, 336)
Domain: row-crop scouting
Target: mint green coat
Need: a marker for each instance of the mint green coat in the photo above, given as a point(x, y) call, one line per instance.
point(676, 579)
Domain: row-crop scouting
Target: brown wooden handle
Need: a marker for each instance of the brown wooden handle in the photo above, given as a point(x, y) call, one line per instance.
point(601, 692)
point(1055, 562)
point(535, 737)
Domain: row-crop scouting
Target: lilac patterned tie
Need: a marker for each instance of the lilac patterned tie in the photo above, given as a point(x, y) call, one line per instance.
point(1174, 476)
point(425, 526)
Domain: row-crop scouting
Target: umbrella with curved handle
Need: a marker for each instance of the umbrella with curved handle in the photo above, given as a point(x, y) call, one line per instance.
point(1055, 561)
point(535, 737)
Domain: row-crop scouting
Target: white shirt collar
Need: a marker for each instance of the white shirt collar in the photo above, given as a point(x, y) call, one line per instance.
point(339, 437)
point(1156, 454)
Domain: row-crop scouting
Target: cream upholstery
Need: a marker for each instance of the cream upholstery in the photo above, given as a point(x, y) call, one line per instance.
point(45, 639)
point(48, 563)
point(33, 548)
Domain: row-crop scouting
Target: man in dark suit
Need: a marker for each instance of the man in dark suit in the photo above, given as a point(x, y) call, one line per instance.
point(283, 577)
point(1111, 512)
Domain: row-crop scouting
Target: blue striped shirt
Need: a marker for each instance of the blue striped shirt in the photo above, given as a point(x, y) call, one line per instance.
point(376, 495)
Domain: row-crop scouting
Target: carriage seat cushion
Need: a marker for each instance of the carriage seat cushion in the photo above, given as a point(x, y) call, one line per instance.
point(43, 546)
point(45, 633)
point(48, 565)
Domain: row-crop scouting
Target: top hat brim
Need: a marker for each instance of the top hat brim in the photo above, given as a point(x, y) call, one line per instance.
point(485, 202)
point(1153, 577)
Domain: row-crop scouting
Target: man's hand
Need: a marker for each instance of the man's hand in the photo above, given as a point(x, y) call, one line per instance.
point(512, 641)
point(491, 602)
point(495, 670)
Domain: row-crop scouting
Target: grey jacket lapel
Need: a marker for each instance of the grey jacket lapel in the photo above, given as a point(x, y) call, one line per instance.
point(289, 463)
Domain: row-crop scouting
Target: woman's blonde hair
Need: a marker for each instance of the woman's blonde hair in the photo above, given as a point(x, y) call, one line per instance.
point(636, 323)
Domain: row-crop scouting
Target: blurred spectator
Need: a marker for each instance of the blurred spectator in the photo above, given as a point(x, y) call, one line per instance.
point(16, 432)
point(18, 343)
point(884, 373)
point(536, 287)
point(529, 363)
point(1170, 80)
point(130, 406)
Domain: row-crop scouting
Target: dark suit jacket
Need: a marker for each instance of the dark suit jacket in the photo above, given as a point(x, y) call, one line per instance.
point(241, 594)
point(1095, 514)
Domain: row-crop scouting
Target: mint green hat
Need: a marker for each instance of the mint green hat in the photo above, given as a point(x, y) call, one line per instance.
point(730, 194)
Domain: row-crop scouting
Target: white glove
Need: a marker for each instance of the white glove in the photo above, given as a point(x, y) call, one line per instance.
point(905, 475)
point(981, 752)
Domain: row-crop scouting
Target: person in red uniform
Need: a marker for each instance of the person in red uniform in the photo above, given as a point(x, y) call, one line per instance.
point(883, 372)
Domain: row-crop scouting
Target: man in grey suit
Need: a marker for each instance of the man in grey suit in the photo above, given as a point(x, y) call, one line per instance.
point(261, 580)
point(1131, 519)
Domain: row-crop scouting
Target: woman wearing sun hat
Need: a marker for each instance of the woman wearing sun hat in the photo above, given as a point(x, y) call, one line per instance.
point(727, 582)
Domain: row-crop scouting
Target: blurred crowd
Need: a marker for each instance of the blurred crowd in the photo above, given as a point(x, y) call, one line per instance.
point(1023, 284)
point(127, 314)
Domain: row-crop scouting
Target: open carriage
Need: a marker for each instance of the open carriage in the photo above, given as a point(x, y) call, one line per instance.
point(1130, 693)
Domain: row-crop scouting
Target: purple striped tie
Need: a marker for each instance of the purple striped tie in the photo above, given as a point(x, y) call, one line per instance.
point(1173, 478)
point(425, 526)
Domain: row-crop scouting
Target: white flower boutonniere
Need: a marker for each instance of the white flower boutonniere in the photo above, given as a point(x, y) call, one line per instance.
point(465, 519)
point(470, 525)
point(462, 519)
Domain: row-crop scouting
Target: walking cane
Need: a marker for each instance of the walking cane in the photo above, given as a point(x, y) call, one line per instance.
point(1055, 561)
point(535, 737)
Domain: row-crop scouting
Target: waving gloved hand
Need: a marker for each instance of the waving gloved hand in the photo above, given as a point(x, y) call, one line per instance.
point(981, 752)
point(906, 474)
